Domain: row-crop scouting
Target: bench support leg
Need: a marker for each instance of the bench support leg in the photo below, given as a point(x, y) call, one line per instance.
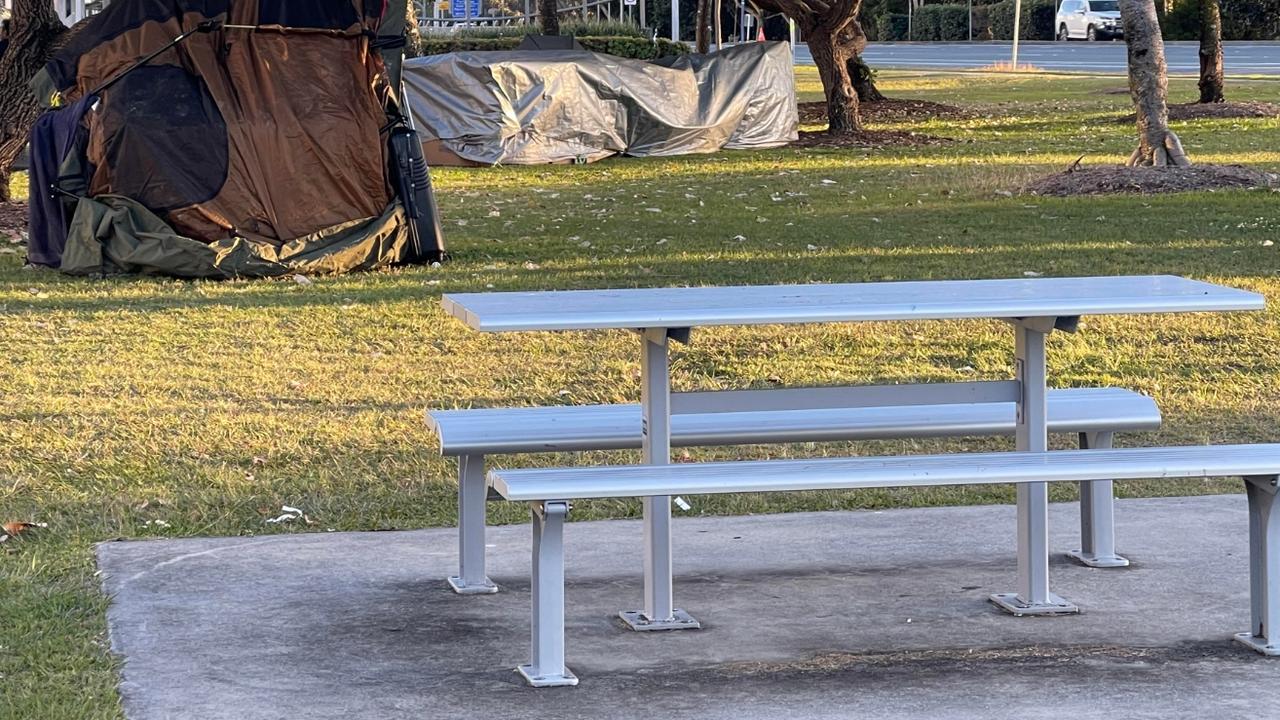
point(1264, 566)
point(1032, 434)
point(1097, 515)
point(546, 664)
point(472, 492)
point(659, 611)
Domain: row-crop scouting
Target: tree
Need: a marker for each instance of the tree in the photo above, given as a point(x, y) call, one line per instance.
point(548, 18)
point(35, 33)
point(412, 33)
point(864, 80)
point(1210, 52)
point(701, 38)
point(1149, 86)
point(835, 39)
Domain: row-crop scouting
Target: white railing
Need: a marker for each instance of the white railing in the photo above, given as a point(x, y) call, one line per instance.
point(430, 17)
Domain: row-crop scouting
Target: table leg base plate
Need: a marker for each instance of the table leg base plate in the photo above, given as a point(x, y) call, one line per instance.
point(1012, 604)
point(680, 620)
point(1097, 561)
point(463, 588)
point(565, 679)
point(1257, 644)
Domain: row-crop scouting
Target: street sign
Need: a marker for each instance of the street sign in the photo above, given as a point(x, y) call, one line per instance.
point(458, 9)
point(629, 2)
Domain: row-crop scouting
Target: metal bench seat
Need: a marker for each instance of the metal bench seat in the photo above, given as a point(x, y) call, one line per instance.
point(550, 490)
point(575, 428)
point(1093, 413)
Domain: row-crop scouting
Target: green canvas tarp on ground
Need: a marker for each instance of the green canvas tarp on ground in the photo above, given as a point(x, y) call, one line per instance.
point(114, 234)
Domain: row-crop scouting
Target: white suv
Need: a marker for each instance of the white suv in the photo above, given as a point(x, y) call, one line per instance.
point(1089, 19)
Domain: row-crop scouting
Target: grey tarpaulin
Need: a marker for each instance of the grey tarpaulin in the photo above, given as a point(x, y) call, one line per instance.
point(532, 107)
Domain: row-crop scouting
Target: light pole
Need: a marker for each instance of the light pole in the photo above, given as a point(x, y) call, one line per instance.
point(1017, 27)
point(675, 20)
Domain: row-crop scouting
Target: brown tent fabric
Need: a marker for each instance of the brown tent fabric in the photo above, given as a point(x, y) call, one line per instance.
point(255, 143)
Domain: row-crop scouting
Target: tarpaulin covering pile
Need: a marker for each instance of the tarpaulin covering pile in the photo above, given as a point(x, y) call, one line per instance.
point(552, 106)
point(252, 151)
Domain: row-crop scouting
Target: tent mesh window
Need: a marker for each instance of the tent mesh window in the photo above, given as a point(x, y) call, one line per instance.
point(165, 139)
point(307, 15)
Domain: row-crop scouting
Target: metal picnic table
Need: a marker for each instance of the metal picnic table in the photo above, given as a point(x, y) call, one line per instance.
point(1033, 306)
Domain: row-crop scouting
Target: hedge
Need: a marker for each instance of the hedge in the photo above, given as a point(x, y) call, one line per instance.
point(941, 22)
point(1037, 20)
point(982, 22)
point(1241, 20)
point(635, 48)
point(577, 28)
point(628, 47)
point(1250, 20)
point(892, 26)
point(1182, 23)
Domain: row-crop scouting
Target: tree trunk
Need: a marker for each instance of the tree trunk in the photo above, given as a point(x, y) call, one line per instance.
point(701, 39)
point(864, 81)
point(548, 17)
point(835, 40)
point(832, 58)
point(1149, 86)
point(412, 34)
point(34, 35)
point(1210, 52)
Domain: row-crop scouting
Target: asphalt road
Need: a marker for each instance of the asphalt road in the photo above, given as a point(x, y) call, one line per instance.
point(1241, 58)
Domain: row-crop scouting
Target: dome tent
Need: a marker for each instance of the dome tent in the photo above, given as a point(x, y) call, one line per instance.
point(224, 138)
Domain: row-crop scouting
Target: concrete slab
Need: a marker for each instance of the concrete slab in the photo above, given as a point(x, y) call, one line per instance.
point(819, 615)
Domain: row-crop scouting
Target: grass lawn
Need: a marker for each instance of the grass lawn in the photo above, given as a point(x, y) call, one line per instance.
point(137, 408)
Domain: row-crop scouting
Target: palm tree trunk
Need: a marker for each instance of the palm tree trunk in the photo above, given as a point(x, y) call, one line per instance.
point(701, 40)
point(548, 18)
point(1149, 86)
point(1211, 75)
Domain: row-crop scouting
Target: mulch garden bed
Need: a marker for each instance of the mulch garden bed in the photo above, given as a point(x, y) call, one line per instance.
point(13, 222)
point(1218, 111)
point(1118, 179)
point(866, 139)
point(887, 110)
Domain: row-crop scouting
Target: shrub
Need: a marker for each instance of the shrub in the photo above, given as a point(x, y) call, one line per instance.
point(577, 28)
point(637, 48)
point(601, 28)
point(892, 26)
point(1250, 19)
point(1181, 23)
point(628, 47)
point(982, 22)
point(484, 32)
point(941, 22)
point(1037, 20)
point(442, 45)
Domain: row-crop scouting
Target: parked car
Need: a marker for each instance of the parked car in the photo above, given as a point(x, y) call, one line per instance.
point(1089, 20)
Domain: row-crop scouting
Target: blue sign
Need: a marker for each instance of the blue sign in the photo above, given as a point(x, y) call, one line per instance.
point(458, 8)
